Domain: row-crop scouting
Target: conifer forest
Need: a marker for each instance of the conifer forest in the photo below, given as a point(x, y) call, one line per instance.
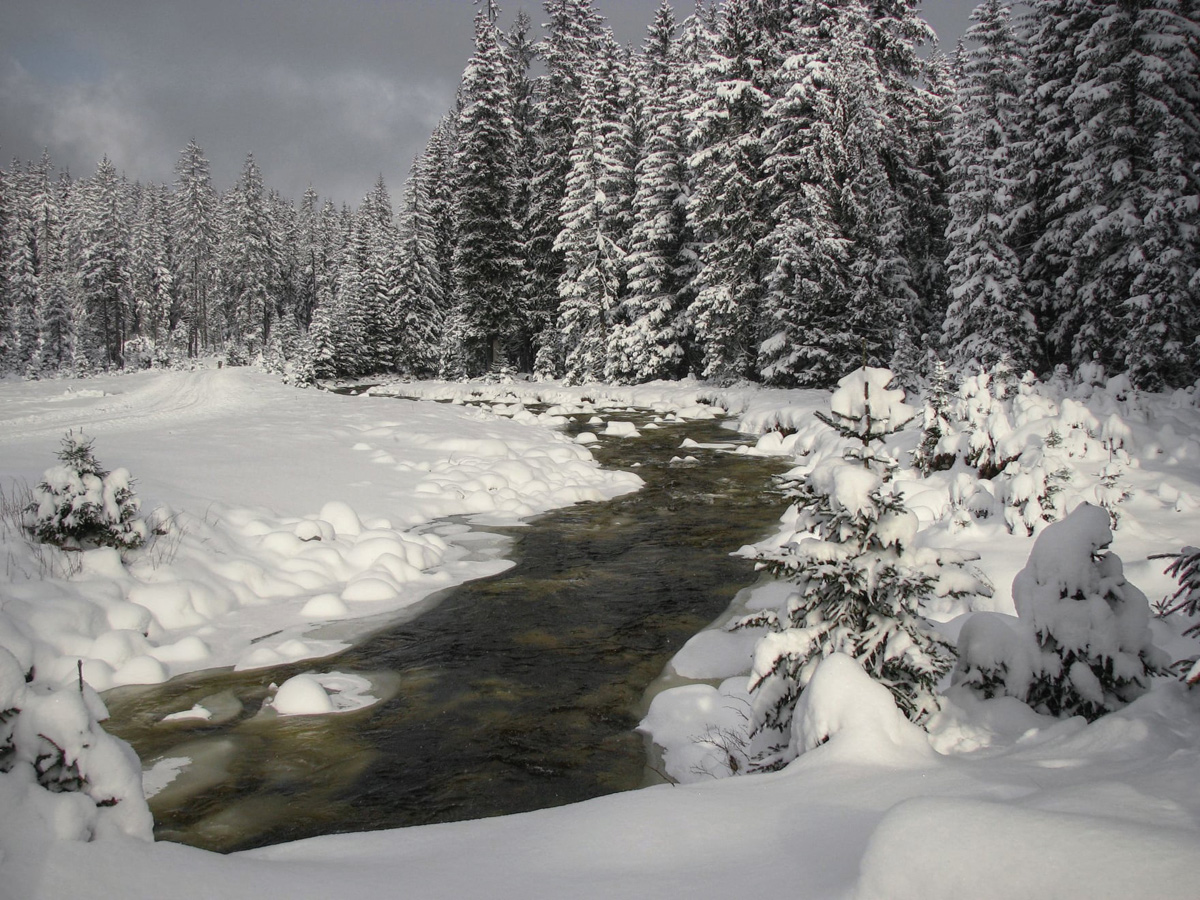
point(778, 191)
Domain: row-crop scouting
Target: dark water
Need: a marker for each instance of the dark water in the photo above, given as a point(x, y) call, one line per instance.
point(513, 693)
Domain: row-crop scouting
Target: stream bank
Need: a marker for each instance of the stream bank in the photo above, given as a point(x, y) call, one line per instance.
point(507, 694)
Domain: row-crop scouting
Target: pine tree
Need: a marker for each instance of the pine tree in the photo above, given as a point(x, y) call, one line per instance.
point(250, 265)
point(841, 285)
point(521, 52)
point(309, 258)
point(80, 504)
point(7, 244)
point(860, 580)
point(348, 313)
point(988, 317)
point(378, 279)
point(574, 32)
point(726, 208)
point(151, 266)
point(1134, 170)
point(420, 299)
point(22, 269)
point(650, 340)
point(593, 216)
point(927, 199)
point(486, 265)
point(1082, 643)
point(105, 259)
point(194, 214)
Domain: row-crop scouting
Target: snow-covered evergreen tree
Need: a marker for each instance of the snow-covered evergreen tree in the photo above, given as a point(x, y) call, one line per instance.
point(378, 279)
point(521, 52)
point(79, 504)
point(861, 578)
point(486, 263)
point(726, 209)
point(194, 215)
point(574, 31)
point(152, 268)
point(1135, 171)
point(249, 263)
point(594, 218)
point(988, 317)
point(930, 456)
point(1082, 643)
point(1111, 208)
point(104, 260)
point(420, 298)
point(650, 338)
point(33, 238)
point(841, 283)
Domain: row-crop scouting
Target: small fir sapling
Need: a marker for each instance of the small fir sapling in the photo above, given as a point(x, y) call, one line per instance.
point(985, 418)
point(1185, 569)
point(1081, 642)
point(930, 456)
point(78, 504)
point(861, 582)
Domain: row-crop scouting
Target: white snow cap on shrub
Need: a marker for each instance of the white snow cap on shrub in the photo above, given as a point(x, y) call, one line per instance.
point(63, 773)
point(865, 392)
point(1083, 644)
point(842, 699)
point(1077, 593)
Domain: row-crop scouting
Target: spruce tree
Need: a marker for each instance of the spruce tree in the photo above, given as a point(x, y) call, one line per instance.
point(486, 264)
point(988, 317)
point(250, 265)
point(521, 52)
point(22, 266)
point(573, 35)
point(194, 214)
point(105, 259)
point(841, 283)
point(861, 581)
point(726, 208)
point(650, 340)
point(419, 299)
point(594, 220)
point(1134, 170)
point(151, 266)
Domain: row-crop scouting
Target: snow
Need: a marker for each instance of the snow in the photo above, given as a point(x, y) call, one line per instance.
point(844, 706)
point(275, 519)
point(278, 502)
point(314, 695)
point(864, 392)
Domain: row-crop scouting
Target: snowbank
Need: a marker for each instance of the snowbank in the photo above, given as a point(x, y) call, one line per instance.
point(277, 510)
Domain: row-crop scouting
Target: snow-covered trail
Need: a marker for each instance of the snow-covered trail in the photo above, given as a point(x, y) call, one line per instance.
point(129, 403)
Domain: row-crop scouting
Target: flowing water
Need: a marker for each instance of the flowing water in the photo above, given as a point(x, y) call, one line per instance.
point(512, 693)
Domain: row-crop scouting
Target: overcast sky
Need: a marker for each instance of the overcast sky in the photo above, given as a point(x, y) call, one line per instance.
point(330, 93)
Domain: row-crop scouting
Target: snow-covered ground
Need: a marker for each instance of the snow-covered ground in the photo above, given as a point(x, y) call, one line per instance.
point(286, 511)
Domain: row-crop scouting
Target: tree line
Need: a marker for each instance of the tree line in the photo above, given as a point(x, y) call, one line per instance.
point(771, 190)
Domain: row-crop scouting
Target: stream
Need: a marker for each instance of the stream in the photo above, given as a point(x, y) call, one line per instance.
point(512, 693)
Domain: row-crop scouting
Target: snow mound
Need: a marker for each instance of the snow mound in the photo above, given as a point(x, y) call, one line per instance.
point(994, 851)
point(314, 695)
point(620, 429)
point(856, 715)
